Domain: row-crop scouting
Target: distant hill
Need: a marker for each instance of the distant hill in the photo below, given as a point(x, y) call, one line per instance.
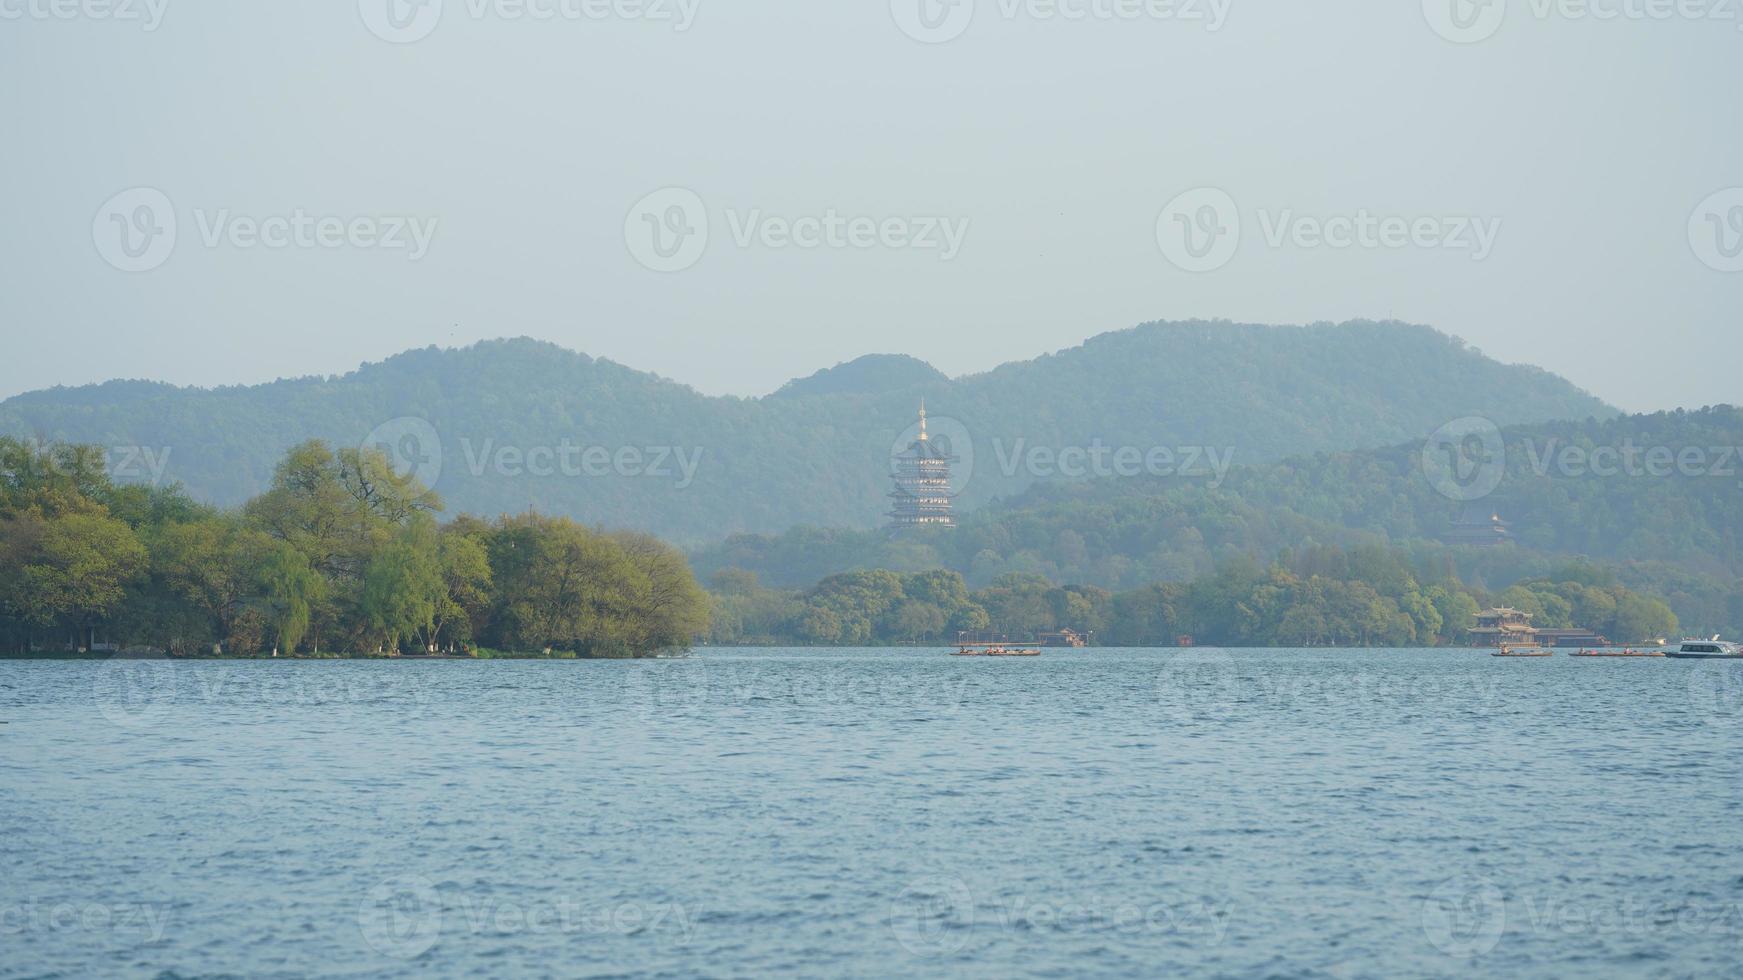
point(508, 425)
point(872, 374)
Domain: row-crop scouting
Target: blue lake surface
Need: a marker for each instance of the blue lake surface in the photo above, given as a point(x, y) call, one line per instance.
point(875, 813)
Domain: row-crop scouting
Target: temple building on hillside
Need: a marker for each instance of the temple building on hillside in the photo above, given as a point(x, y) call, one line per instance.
point(922, 493)
point(1476, 529)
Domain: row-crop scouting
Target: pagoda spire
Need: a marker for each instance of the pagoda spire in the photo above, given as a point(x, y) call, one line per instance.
point(922, 420)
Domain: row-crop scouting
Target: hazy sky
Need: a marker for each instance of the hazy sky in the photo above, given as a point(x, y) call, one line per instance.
point(971, 184)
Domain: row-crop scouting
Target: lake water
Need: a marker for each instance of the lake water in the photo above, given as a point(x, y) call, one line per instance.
point(875, 813)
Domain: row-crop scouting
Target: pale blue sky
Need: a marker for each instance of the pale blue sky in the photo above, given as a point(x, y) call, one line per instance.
point(1051, 146)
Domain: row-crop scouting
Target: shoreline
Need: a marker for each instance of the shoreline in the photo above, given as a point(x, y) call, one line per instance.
point(1063, 652)
point(305, 658)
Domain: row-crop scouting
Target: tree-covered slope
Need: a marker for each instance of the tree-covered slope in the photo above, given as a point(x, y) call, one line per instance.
point(509, 425)
point(1658, 498)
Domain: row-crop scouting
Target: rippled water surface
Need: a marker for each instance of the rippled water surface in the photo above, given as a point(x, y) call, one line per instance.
point(875, 814)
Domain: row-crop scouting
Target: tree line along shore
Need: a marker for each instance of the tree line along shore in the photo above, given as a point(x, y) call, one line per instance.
point(343, 556)
point(1321, 597)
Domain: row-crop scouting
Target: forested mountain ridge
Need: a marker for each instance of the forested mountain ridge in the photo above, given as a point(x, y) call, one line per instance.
point(504, 426)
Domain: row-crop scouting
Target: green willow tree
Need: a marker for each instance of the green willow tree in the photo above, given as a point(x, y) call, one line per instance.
point(403, 586)
point(291, 590)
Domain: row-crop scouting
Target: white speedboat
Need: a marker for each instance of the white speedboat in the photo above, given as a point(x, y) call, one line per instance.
point(1713, 649)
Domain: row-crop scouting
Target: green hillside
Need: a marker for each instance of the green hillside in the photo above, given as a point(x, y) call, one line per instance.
point(1656, 498)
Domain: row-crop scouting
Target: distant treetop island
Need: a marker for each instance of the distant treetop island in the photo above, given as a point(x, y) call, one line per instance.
point(505, 425)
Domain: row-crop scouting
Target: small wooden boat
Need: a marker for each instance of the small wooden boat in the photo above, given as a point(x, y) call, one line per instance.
point(972, 644)
point(1618, 653)
point(994, 650)
point(1523, 652)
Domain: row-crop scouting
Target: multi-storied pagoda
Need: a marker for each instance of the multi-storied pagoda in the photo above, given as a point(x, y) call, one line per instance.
point(922, 473)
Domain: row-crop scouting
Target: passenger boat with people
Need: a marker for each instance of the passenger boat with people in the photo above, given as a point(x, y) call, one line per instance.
point(1713, 649)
